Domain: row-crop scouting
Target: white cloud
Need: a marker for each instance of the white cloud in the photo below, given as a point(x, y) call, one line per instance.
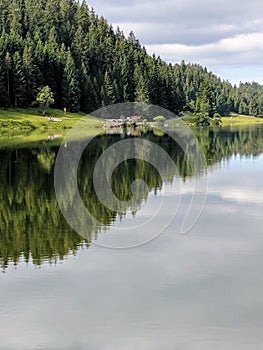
point(224, 35)
point(244, 48)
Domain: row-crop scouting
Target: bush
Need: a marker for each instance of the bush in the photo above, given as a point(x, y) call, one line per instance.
point(217, 121)
point(159, 119)
point(202, 120)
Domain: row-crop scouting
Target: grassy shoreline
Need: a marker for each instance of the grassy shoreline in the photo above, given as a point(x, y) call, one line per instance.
point(28, 126)
point(32, 119)
point(235, 119)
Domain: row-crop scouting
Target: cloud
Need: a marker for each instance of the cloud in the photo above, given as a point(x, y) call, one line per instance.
point(224, 35)
point(243, 48)
point(181, 21)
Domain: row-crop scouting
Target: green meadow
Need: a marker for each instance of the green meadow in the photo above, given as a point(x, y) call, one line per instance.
point(28, 126)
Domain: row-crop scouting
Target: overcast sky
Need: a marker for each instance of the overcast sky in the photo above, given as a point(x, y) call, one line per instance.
point(226, 36)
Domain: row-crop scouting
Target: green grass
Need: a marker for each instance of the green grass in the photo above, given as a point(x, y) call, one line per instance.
point(28, 126)
point(20, 127)
point(31, 115)
point(241, 119)
point(234, 119)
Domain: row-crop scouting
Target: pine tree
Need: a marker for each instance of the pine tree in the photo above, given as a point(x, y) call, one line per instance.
point(205, 102)
point(71, 90)
point(88, 99)
point(108, 90)
point(3, 92)
point(8, 70)
point(141, 90)
point(33, 77)
point(14, 18)
point(20, 88)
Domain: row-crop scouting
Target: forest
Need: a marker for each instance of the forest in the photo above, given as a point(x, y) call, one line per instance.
point(87, 64)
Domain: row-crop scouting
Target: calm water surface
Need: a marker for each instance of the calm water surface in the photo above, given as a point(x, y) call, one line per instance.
point(199, 291)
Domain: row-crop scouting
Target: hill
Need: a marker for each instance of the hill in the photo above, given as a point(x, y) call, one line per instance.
point(87, 65)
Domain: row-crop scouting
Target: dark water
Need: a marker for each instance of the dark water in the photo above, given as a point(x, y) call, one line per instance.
point(201, 290)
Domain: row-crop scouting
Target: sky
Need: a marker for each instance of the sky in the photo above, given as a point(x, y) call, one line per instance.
point(225, 36)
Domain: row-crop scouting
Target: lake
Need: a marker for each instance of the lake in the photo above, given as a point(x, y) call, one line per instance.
point(196, 290)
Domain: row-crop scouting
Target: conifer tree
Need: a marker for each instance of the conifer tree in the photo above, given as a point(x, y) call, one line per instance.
point(3, 94)
point(70, 88)
point(19, 82)
point(8, 70)
point(141, 90)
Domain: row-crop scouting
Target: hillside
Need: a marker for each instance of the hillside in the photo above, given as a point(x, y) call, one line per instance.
point(87, 65)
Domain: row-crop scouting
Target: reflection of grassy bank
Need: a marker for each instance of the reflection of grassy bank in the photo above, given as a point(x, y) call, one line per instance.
point(35, 138)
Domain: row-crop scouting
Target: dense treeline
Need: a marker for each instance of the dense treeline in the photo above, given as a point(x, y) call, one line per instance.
point(66, 46)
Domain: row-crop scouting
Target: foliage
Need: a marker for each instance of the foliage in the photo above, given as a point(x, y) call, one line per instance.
point(202, 120)
point(65, 45)
point(217, 121)
point(45, 98)
point(159, 119)
point(205, 103)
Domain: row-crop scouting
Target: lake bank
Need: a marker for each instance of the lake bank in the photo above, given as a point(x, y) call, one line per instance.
point(235, 119)
point(28, 126)
point(31, 119)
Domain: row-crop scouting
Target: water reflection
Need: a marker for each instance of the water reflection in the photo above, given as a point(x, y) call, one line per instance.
point(31, 225)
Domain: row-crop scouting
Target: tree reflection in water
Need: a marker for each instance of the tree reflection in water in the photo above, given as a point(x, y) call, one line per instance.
point(31, 225)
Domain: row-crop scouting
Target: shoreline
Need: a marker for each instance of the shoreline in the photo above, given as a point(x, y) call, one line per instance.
point(19, 127)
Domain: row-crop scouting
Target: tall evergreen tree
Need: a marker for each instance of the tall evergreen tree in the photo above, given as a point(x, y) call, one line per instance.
point(3, 94)
point(108, 90)
point(19, 83)
point(70, 90)
point(141, 90)
point(206, 102)
point(8, 70)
